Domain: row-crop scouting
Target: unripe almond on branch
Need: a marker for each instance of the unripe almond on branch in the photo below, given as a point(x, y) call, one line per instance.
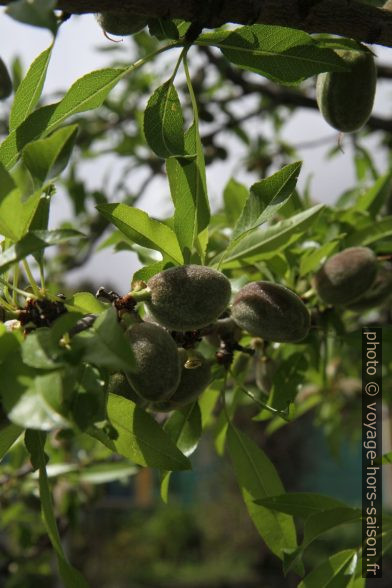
point(345, 98)
point(189, 297)
point(157, 372)
point(271, 311)
point(377, 294)
point(344, 277)
point(121, 25)
point(195, 377)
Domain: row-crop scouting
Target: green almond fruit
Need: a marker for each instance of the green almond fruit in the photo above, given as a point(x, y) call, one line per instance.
point(346, 276)
point(272, 312)
point(189, 297)
point(378, 293)
point(120, 24)
point(157, 372)
point(194, 380)
point(345, 99)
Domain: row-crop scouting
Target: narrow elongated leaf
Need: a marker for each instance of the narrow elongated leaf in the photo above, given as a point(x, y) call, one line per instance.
point(85, 302)
point(184, 429)
point(375, 231)
point(105, 472)
point(311, 261)
point(31, 400)
point(140, 438)
point(284, 55)
point(16, 213)
point(234, 197)
point(332, 573)
point(266, 198)
point(136, 225)
point(41, 351)
point(257, 477)
point(376, 196)
point(69, 575)
point(105, 344)
point(188, 190)
point(278, 236)
point(86, 93)
point(30, 89)
point(40, 220)
point(38, 13)
point(384, 459)
point(35, 241)
point(301, 504)
point(7, 183)
point(46, 158)
point(9, 433)
point(163, 122)
point(321, 522)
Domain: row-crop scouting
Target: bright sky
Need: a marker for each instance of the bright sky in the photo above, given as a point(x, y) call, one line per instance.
point(76, 54)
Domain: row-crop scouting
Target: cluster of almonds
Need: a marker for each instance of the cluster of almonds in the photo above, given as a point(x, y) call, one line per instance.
point(193, 298)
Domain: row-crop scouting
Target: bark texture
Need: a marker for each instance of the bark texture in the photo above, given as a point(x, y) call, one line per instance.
point(348, 18)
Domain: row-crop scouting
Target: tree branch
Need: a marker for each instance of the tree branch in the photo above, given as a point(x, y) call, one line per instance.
point(347, 18)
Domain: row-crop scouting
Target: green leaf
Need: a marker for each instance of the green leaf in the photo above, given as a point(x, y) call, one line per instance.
point(284, 55)
point(278, 236)
point(384, 459)
point(104, 473)
point(234, 197)
point(146, 272)
point(7, 183)
point(69, 575)
point(86, 93)
point(33, 242)
point(374, 199)
point(47, 158)
point(332, 573)
point(89, 398)
point(9, 343)
point(189, 194)
point(301, 504)
point(184, 429)
point(321, 522)
point(38, 13)
point(266, 198)
point(374, 231)
point(163, 28)
point(258, 477)
point(16, 213)
point(164, 122)
point(39, 350)
point(96, 473)
point(31, 400)
point(311, 260)
point(9, 433)
point(85, 302)
point(30, 89)
point(105, 344)
point(140, 438)
point(136, 225)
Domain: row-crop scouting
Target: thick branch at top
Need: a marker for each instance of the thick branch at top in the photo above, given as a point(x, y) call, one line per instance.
point(347, 18)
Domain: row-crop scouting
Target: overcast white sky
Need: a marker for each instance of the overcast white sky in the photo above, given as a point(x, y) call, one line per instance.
point(76, 54)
